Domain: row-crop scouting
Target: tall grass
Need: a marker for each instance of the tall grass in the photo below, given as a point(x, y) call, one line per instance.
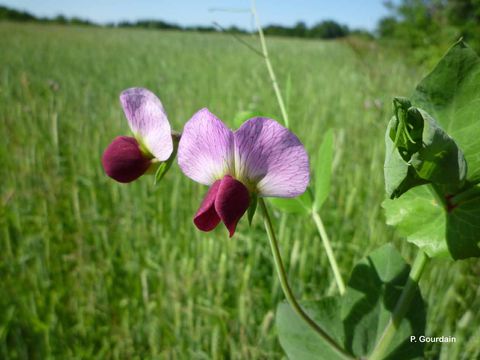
point(93, 269)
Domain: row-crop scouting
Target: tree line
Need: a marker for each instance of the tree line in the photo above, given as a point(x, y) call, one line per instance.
point(418, 24)
point(327, 29)
point(431, 23)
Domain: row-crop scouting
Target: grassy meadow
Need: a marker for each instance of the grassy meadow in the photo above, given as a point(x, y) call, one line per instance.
point(92, 269)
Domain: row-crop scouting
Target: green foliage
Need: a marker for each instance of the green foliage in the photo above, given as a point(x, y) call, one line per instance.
point(419, 152)
point(448, 218)
point(327, 29)
point(323, 170)
point(14, 15)
point(429, 25)
point(164, 166)
point(420, 218)
point(300, 205)
point(357, 319)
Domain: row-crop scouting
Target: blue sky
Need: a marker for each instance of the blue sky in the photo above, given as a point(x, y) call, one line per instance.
point(356, 14)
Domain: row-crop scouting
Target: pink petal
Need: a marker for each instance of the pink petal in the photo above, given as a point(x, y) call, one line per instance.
point(123, 160)
point(205, 151)
point(231, 202)
point(206, 218)
point(268, 154)
point(148, 121)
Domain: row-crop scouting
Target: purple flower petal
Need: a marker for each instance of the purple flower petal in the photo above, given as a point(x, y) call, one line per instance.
point(206, 218)
point(231, 202)
point(148, 120)
point(271, 156)
point(123, 160)
point(205, 152)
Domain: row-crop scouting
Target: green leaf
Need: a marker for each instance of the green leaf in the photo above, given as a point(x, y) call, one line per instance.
point(357, 319)
point(419, 151)
point(451, 94)
point(419, 217)
point(463, 229)
point(299, 341)
point(164, 166)
point(400, 176)
point(429, 218)
point(252, 207)
point(300, 205)
point(244, 115)
point(323, 170)
point(425, 222)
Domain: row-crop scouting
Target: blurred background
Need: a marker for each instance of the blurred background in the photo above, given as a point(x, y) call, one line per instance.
point(90, 268)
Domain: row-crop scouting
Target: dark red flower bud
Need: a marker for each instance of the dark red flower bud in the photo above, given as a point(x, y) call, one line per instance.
point(124, 161)
point(227, 200)
point(206, 218)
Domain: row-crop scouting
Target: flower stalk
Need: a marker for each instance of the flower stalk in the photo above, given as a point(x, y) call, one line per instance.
point(280, 268)
point(271, 73)
point(316, 217)
point(328, 249)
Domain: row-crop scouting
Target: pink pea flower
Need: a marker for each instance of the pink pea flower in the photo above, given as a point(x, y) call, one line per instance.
point(127, 158)
point(261, 158)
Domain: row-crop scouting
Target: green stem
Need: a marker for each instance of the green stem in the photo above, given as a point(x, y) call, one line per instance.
point(328, 249)
point(381, 349)
point(273, 78)
point(281, 104)
point(286, 287)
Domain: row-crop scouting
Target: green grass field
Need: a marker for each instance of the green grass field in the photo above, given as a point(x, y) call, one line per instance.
point(90, 268)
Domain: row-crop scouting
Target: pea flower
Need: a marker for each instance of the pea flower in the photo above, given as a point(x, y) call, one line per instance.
point(127, 158)
point(261, 158)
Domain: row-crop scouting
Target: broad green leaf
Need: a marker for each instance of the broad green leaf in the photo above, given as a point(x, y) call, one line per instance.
point(323, 170)
point(300, 205)
point(451, 95)
point(420, 218)
point(419, 151)
point(425, 222)
point(399, 175)
point(463, 229)
point(357, 319)
point(299, 341)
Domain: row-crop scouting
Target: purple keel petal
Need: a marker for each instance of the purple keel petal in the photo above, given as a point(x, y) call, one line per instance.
point(269, 155)
point(206, 218)
point(231, 202)
point(148, 120)
point(205, 151)
point(123, 160)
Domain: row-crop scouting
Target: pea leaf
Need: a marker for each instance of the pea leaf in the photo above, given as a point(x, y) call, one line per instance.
point(300, 205)
point(451, 95)
point(323, 170)
point(430, 156)
point(463, 227)
point(164, 166)
point(357, 319)
point(420, 218)
point(299, 341)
